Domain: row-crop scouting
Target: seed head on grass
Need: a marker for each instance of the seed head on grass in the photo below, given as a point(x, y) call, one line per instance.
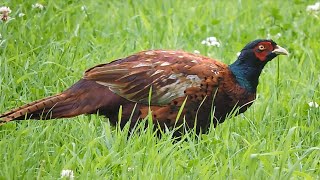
point(37, 6)
point(130, 168)
point(1, 40)
point(83, 8)
point(21, 14)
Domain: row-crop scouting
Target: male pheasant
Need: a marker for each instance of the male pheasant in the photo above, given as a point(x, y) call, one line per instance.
point(162, 82)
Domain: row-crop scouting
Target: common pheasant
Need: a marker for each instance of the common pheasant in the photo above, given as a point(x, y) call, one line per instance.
point(161, 82)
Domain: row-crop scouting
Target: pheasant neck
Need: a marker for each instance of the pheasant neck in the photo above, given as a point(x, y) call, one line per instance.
point(247, 73)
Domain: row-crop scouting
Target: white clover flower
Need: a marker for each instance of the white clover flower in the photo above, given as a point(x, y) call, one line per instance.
point(315, 7)
point(67, 174)
point(21, 14)
point(196, 52)
point(313, 104)
point(211, 41)
point(4, 13)
point(37, 6)
point(5, 9)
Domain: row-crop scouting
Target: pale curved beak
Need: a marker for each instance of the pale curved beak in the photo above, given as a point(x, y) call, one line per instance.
point(280, 50)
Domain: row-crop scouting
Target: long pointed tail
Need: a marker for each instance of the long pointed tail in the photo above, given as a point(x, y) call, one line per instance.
point(84, 97)
point(41, 109)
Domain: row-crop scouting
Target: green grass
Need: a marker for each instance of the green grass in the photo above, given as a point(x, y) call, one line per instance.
point(44, 52)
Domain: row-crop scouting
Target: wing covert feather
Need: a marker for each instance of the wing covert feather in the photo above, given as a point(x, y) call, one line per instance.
point(168, 73)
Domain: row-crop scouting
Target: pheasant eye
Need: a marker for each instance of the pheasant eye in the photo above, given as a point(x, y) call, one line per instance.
point(261, 47)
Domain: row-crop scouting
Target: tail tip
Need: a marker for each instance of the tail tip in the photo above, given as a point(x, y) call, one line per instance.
point(5, 120)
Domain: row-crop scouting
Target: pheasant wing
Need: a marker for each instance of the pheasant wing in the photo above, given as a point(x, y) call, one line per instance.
point(166, 74)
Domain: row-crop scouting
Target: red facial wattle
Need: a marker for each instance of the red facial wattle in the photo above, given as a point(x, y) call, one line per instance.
point(262, 50)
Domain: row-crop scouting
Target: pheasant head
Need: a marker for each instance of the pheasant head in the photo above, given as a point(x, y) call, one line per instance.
point(252, 59)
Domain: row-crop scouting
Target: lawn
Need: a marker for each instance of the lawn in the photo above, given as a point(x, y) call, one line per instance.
point(45, 50)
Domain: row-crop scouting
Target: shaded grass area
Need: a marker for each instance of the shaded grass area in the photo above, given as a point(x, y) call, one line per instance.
point(46, 51)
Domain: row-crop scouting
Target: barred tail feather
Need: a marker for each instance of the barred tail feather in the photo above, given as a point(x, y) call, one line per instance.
point(41, 109)
point(84, 97)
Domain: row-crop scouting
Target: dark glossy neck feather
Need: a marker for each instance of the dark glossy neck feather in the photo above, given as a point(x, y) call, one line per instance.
point(247, 69)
